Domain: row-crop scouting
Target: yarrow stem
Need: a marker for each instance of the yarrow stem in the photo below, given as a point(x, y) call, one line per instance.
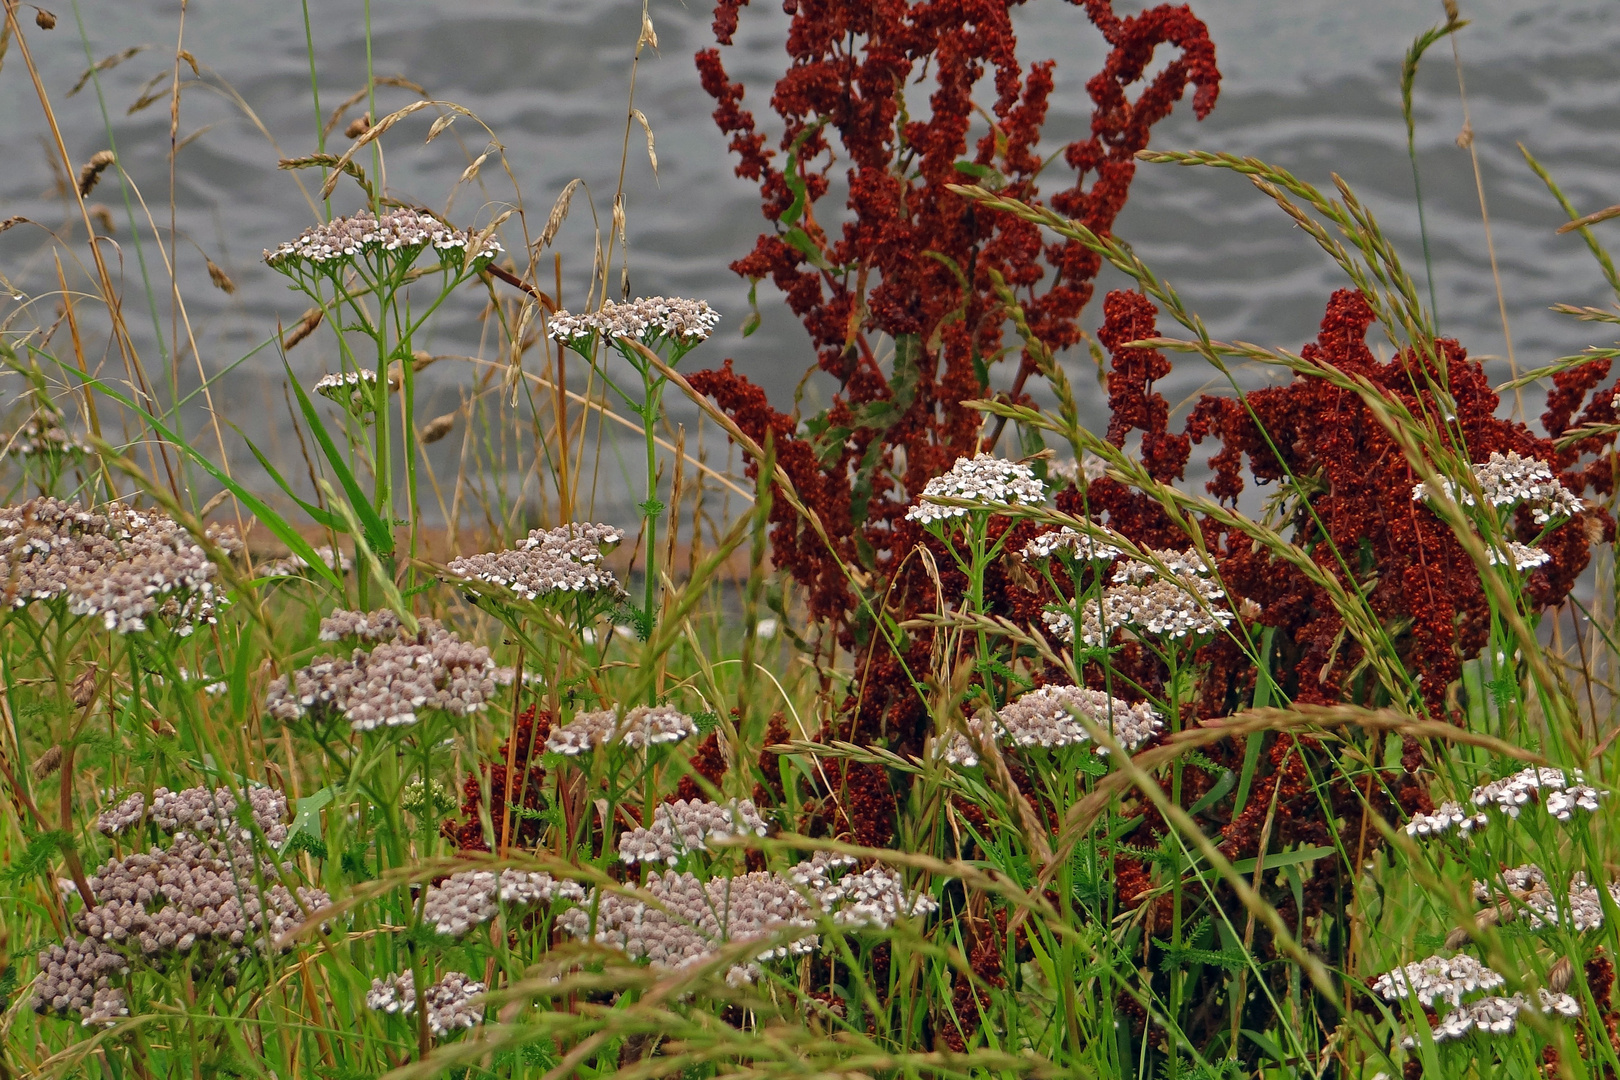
point(366, 254)
point(653, 324)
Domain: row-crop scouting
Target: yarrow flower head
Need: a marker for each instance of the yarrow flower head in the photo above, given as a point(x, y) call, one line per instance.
point(43, 435)
point(692, 918)
point(982, 479)
point(1563, 794)
point(354, 390)
point(449, 1001)
point(1078, 473)
point(1449, 816)
point(1506, 480)
point(642, 726)
point(396, 237)
point(1082, 546)
point(1519, 556)
point(565, 561)
point(1437, 978)
point(1172, 597)
point(1498, 1015)
point(1523, 892)
point(388, 686)
point(122, 566)
point(650, 320)
point(208, 897)
point(468, 899)
point(684, 826)
point(1048, 717)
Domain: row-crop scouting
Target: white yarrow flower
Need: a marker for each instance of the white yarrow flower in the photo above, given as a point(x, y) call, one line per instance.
point(982, 479)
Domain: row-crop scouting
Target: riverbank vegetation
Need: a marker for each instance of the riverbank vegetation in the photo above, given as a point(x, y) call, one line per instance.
point(932, 734)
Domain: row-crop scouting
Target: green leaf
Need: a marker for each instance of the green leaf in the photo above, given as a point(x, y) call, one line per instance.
point(306, 813)
point(1286, 858)
point(795, 182)
point(306, 842)
point(379, 537)
point(799, 240)
point(364, 554)
point(986, 175)
point(1227, 781)
point(35, 859)
point(325, 518)
point(754, 317)
point(255, 506)
point(1263, 688)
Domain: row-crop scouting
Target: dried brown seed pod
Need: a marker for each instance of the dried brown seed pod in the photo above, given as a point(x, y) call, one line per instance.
point(357, 127)
point(48, 763)
point(438, 428)
point(84, 687)
point(44, 19)
point(222, 281)
point(1558, 978)
point(93, 169)
point(306, 326)
point(1461, 935)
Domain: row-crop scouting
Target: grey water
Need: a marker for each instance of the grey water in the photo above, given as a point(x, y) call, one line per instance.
point(1312, 86)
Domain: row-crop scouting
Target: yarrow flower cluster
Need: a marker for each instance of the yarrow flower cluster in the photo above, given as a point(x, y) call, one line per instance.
point(1437, 978)
point(642, 726)
point(1506, 480)
point(354, 390)
point(1049, 717)
point(400, 233)
point(472, 897)
point(1497, 1015)
point(1519, 556)
point(1560, 794)
point(982, 479)
point(1523, 892)
point(76, 976)
point(209, 897)
point(43, 435)
point(1088, 469)
point(1449, 815)
point(450, 1005)
point(202, 812)
point(120, 565)
point(391, 684)
point(565, 561)
point(1078, 545)
point(650, 319)
point(691, 919)
point(873, 898)
point(684, 826)
point(1449, 979)
point(383, 624)
point(1171, 597)
point(1563, 794)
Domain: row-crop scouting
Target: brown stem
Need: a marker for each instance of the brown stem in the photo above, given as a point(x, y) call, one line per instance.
point(518, 283)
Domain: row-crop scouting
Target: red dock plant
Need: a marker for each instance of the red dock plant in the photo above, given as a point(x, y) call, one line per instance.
point(900, 294)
